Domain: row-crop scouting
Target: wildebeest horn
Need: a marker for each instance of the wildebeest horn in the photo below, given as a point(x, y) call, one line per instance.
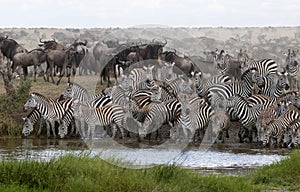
point(165, 42)
point(42, 41)
point(174, 50)
point(85, 42)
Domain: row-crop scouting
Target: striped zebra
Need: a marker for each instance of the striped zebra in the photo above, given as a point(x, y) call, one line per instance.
point(50, 109)
point(270, 112)
point(279, 126)
point(171, 90)
point(194, 116)
point(243, 88)
point(274, 89)
point(111, 114)
point(247, 116)
point(159, 113)
point(264, 66)
point(202, 85)
point(142, 78)
point(228, 65)
point(292, 68)
point(221, 117)
point(295, 134)
point(30, 120)
point(76, 91)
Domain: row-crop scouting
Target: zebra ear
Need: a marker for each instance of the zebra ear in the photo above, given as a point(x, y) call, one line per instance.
point(24, 119)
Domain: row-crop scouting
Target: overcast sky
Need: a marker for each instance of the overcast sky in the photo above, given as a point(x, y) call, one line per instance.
point(129, 13)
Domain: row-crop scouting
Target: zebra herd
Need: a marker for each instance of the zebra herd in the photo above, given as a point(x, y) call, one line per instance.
point(153, 98)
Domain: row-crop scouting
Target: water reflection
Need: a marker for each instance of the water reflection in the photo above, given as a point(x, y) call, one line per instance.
point(220, 158)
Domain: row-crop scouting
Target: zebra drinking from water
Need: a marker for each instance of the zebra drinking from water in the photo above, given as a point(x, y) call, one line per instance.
point(279, 126)
point(50, 109)
point(111, 114)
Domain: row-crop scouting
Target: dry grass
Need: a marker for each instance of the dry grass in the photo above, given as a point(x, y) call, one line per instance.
point(49, 89)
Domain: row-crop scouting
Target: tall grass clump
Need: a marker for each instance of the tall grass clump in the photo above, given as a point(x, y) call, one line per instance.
point(85, 173)
point(284, 174)
point(11, 109)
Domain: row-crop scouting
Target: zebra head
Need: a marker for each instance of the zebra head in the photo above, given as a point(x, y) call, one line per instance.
point(31, 102)
point(68, 93)
point(62, 130)
point(27, 127)
point(295, 138)
point(292, 59)
point(148, 71)
point(287, 138)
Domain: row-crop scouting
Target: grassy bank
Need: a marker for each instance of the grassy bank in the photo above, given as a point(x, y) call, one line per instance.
point(83, 173)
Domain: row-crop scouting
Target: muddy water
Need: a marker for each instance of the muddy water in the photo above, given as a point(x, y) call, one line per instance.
point(234, 159)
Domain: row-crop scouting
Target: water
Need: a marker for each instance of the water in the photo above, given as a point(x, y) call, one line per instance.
point(233, 159)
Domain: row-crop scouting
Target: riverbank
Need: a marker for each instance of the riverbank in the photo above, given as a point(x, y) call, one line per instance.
point(86, 173)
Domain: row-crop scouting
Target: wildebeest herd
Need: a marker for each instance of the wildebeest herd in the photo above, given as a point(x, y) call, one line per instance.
point(158, 94)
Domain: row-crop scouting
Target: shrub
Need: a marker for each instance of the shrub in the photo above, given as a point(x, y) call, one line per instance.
point(11, 109)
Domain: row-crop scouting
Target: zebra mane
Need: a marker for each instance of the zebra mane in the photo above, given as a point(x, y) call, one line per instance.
point(77, 85)
point(38, 95)
point(248, 71)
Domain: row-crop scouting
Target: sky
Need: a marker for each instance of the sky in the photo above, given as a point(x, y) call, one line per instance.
point(132, 13)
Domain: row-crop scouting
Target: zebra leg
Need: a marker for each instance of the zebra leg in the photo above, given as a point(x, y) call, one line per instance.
point(114, 130)
point(42, 122)
point(53, 129)
point(92, 131)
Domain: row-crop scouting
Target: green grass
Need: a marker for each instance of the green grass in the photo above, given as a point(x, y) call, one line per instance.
point(284, 174)
point(85, 173)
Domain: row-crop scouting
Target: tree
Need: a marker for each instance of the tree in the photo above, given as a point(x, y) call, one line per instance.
point(6, 73)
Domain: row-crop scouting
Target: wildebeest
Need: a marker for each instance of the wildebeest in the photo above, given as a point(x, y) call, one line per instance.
point(52, 45)
point(185, 64)
point(34, 57)
point(10, 47)
point(68, 60)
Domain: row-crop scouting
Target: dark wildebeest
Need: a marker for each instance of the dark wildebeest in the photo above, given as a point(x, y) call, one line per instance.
point(228, 65)
point(34, 57)
point(52, 45)
point(150, 50)
point(184, 64)
point(10, 47)
point(68, 60)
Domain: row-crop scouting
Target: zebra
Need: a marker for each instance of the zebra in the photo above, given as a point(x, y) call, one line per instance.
point(272, 89)
point(142, 78)
point(227, 65)
point(279, 126)
point(295, 134)
point(221, 117)
point(171, 90)
point(247, 116)
point(159, 113)
point(292, 68)
point(267, 116)
point(167, 73)
point(33, 117)
point(50, 109)
point(111, 114)
point(193, 117)
point(74, 90)
point(243, 87)
point(264, 66)
point(202, 85)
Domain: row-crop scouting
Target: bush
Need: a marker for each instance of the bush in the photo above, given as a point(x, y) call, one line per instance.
point(11, 109)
